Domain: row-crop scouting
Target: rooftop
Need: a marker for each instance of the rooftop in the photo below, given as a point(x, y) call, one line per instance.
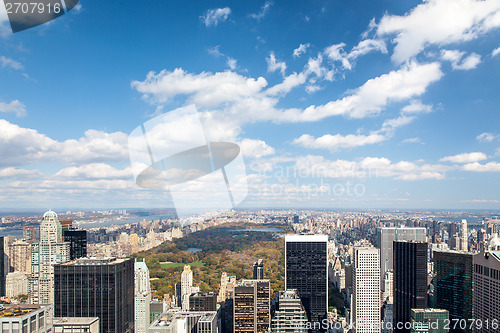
point(74, 321)
point(95, 261)
point(18, 310)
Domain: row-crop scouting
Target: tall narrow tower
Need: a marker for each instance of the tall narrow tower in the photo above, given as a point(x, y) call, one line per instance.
point(50, 250)
point(464, 239)
point(142, 297)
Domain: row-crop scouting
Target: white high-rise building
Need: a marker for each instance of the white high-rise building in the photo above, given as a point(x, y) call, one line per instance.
point(187, 287)
point(464, 239)
point(366, 290)
point(142, 297)
point(50, 250)
point(16, 283)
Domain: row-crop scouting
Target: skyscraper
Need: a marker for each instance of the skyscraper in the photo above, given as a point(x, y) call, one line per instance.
point(20, 257)
point(97, 287)
point(258, 270)
point(142, 298)
point(385, 238)
point(78, 242)
point(486, 293)
point(187, 287)
point(290, 315)
point(366, 290)
point(251, 309)
point(410, 280)
point(306, 270)
point(453, 285)
point(464, 236)
point(29, 234)
point(50, 250)
point(203, 301)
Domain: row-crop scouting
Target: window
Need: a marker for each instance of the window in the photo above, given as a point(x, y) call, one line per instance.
point(41, 320)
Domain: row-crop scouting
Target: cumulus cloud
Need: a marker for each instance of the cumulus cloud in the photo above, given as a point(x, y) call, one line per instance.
point(465, 157)
point(263, 10)
point(495, 52)
point(335, 142)
point(300, 50)
point(478, 167)
point(320, 167)
point(245, 100)
point(255, 148)
point(215, 16)
point(15, 107)
point(94, 171)
point(486, 137)
point(275, 65)
point(20, 145)
point(291, 81)
point(439, 22)
point(458, 61)
point(11, 63)
point(16, 173)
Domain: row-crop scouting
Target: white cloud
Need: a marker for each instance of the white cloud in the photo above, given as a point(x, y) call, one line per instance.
point(291, 81)
point(15, 173)
point(11, 63)
point(241, 99)
point(255, 148)
point(439, 22)
point(458, 61)
point(335, 142)
point(214, 16)
point(336, 52)
point(465, 157)
point(274, 65)
point(94, 171)
point(486, 137)
point(478, 167)
point(320, 167)
point(412, 140)
point(15, 106)
point(495, 52)
point(21, 146)
point(231, 63)
point(416, 106)
point(4, 21)
point(263, 11)
point(300, 50)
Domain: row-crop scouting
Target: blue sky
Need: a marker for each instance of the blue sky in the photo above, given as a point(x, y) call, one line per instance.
point(335, 104)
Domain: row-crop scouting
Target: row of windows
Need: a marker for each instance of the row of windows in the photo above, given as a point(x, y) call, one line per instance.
point(486, 271)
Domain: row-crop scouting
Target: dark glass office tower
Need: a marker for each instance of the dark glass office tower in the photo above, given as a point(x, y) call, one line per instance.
point(410, 280)
point(78, 243)
point(258, 270)
point(306, 269)
point(203, 301)
point(97, 287)
point(453, 284)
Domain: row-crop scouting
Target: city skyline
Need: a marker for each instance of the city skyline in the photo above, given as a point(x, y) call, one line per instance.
point(334, 104)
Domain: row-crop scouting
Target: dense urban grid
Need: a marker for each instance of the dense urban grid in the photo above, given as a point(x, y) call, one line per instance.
point(382, 271)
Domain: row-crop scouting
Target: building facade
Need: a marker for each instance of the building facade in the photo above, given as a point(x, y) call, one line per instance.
point(203, 301)
point(385, 239)
point(251, 307)
point(22, 318)
point(97, 287)
point(50, 250)
point(453, 284)
point(410, 280)
point(306, 270)
point(77, 240)
point(486, 295)
point(366, 290)
point(142, 298)
point(16, 284)
point(429, 321)
point(290, 315)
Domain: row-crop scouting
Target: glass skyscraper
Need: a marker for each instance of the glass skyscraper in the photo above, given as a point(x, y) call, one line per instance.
point(453, 284)
point(97, 287)
point(306, 261)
